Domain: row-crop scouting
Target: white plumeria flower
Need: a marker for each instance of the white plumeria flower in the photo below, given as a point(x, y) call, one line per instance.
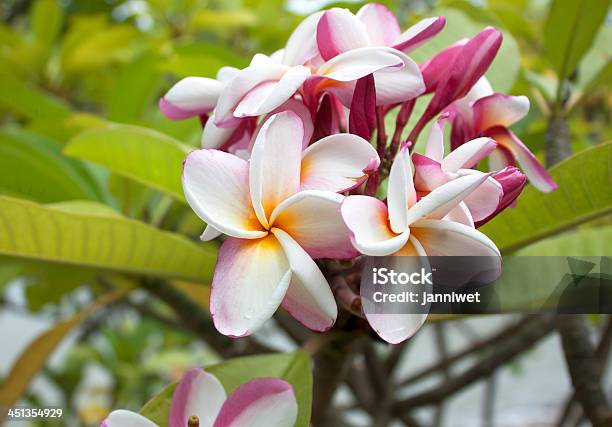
point(200, 401)
point(418, 229)
point(280, 210)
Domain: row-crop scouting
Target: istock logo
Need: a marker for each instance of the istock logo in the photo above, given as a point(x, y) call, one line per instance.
point(384, 276)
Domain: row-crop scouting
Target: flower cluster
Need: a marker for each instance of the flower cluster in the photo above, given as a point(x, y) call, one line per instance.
point(288, 173)
point(199, 400)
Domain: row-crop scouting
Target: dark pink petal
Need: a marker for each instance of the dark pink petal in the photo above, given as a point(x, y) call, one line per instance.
point(260, 402)
point(499, 110)
point(339, 31)
point(537, 174)
point(419, 33)
point(436, 68)
point(512, 181)
point(362, 119)
point(428, 174)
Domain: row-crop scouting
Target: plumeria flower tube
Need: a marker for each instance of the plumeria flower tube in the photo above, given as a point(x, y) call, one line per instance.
point(434, 225)
point(199, 400)
point(484, 113)
point(281, 210)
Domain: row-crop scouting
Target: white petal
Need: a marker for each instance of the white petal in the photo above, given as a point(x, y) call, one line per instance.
point(338, 163)
point(123, 418)
point(381, 24)
point(199, 394)
point(435, 143)
point(210, 233)
point(460, 214)
point(398, 84)
point(358, 63)
point(309, 298)
point(216, 186)
point(302, 44)
point(250, 281)
point(447, 238)
point(401, 194)
point(485, 199)
point(469, 154)
point(275, 163)
point(194, 94)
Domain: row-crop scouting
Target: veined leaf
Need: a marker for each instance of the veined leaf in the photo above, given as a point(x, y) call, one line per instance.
point(86, 234)
point(584, 193)
point(592, 242)
point(147, 156)
point(32, 166)
point(570, 29)
point(34, 357)
point(291, 367)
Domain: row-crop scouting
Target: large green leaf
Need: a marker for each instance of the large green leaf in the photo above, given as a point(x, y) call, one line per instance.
point(34, 357)
point(504, 69)
point(88, 234)
point(584, 193)
point(32, 166)
point(291, 367)
point(592, 242)
point(30, 102)
point(46, 18)
point(570, 29)
point(150, 157)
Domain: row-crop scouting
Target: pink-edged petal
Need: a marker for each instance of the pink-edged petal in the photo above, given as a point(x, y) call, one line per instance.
point(240, 85)
point(367, 219)
point(338, 163)
point(441, 200)
point(216, 186)
point(401, 194)
point(485, 199)
point(512, 181)
point(225, 74)
point(312, 218)
point(303, 113)
point(447, 238)
point(362, 119)
point(199, 394)
point(394, 85)
point(262, 402)
point(123, 418)
point(397, 327)
point(270, 95)
point(340, 31)
point(437, 67)
point(428, 174)
point(536, 173)
point(499, 110)
point(302, 44)
point(210, 233)
point(419, 33)
point(460, 214)
point(381, 24)
point(309, 298)
point(357, 63)
point(274, 172)
point(469, 154)
point(435, 143)
point(500, 159)
point(190, 97)
point(224, 138)
point(250, 281)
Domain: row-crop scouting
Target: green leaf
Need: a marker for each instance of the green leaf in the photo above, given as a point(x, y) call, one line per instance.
point(504, 69)
point(200, 59)
point(570, 30)
point(584, 193)
point(87, 234)
point(34, 357)
point(291, 367)
point(593, 242)
point(46, 18)
point(27, 101)
point(32, 166)
point(147, 156)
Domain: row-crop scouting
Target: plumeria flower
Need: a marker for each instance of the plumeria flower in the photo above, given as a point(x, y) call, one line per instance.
point(199, 400)
point(281, 210)
point(485, 113)
point(418, 229)
point(512, 181)
point(433, 169)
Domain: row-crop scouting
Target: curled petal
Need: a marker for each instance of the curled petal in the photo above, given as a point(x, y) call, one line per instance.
point(312, 218)
point(512, 181)
point(302, 44)
point(261, 402)
point(419, 33)
point(274, 172)
point(303, 113)
point(237, 135)
point(468, 155)
point(357, 63)
point(381, 24)
point(536, 173)
point(123, 418)
point(367, 219)
point(216, 186)
point(250, 281)
point(190, 97)
point(338, 163)
point(362, 119)
point(339, 31)
point(435, 69)
point(225, 74)
point(210, 233)
point(499, 110)
point(197, 393)
point(401, 194)
point(485, 199)
point(309, 298)
point(428, 174)
point(398, 85)
point(447, 238)
point(435, 143)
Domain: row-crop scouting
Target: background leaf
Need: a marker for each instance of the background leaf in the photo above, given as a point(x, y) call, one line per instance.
point(585, 242)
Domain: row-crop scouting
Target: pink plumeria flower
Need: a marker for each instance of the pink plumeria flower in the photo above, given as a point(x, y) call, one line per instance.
point(199, 400)
point(485, 113)
point(433, 169)
point(281, 210)
point(512, 181)
point(415, 229)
